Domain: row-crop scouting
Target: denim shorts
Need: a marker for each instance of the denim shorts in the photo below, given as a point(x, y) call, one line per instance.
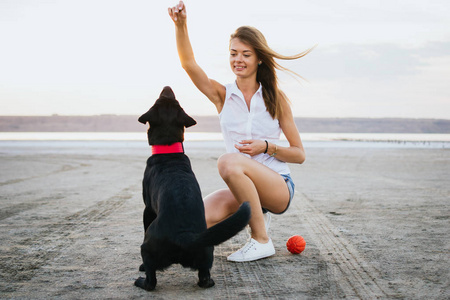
point(291, 187)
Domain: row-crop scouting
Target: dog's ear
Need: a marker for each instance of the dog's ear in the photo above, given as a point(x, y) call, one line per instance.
point(185, 119)
point(151, 116)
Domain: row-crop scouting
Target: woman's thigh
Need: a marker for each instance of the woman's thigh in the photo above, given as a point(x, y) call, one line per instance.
point(219, 205)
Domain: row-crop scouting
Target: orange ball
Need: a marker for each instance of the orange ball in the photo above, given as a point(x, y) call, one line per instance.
point(296, 244)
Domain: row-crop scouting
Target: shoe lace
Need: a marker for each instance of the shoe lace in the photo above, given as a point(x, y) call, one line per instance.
point(248, 246)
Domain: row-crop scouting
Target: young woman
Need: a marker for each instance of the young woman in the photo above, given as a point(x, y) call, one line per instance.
point(253, 112)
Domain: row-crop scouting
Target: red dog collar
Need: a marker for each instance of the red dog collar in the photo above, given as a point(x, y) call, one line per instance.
point(165, 149)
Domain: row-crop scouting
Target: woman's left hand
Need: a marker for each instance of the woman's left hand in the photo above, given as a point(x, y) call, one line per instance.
point(251, 147)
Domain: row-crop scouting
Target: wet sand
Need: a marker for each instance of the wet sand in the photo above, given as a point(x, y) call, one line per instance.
point(376, 223)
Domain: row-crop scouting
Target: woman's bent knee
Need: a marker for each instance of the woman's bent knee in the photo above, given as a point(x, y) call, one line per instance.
point(228, 165)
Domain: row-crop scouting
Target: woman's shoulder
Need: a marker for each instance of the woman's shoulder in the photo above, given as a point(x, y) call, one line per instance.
point(230, 84)
point(231, 88)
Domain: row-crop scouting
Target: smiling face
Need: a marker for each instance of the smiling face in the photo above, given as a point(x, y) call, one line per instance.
point(243, 59)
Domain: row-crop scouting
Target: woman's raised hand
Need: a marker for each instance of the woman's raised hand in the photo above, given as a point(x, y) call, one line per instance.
point(178, 13)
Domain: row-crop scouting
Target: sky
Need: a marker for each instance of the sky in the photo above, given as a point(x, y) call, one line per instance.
point(385, 58)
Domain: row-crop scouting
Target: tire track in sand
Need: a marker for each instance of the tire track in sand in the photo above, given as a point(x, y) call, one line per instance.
point(354, 275)
point(21, 262)
point(277, 277)
point(250, 280)
point(64, 168)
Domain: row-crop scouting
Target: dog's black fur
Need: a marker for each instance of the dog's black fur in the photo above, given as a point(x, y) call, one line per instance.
point(174, 215)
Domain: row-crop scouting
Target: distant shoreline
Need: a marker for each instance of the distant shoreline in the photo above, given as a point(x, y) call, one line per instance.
point(128, 123)
point(212, 138)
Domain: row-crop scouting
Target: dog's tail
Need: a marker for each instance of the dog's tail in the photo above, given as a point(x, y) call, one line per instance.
point(224, 230)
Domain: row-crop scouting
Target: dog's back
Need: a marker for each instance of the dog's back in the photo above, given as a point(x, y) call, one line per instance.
point(172, 192)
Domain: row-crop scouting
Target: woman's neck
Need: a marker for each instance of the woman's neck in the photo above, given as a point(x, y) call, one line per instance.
point(247, 86)
point(248, 89)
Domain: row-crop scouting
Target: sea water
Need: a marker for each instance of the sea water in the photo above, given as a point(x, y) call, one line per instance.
point(58, 141)
point(217, 136)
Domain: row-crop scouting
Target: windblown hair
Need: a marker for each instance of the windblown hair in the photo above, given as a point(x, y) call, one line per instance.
point(266, 73)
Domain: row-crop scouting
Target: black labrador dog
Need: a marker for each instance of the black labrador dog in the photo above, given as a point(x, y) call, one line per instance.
point(174, 215)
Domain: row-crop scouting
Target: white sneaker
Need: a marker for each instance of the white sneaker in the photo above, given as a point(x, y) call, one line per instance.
point(253, 250)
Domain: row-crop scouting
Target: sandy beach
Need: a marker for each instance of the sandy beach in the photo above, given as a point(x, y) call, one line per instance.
point(375, 219)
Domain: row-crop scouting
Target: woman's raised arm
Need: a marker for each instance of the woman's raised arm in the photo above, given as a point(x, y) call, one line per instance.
point(210, 88)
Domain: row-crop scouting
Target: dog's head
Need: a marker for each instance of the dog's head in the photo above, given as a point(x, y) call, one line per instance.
point(166, 119)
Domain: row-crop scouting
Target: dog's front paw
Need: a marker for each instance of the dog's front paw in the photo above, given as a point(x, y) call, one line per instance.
point(141, 282)
point(206, 283)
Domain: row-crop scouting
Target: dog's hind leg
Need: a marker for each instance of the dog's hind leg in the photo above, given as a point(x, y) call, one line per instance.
point(204, 278)
point(206, 261)
point(148, 283)
point(149, 217)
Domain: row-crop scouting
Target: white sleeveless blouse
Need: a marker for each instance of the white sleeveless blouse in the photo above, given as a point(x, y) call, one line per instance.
point(239, 123)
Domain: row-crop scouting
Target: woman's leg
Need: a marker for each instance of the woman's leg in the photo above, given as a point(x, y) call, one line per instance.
point(219, 205)
point(250, 181)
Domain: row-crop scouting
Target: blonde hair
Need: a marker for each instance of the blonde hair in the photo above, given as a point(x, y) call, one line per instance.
point(266, 73)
